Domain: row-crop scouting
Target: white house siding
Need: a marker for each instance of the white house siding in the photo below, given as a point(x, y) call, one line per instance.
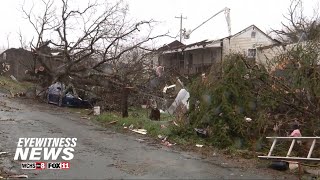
point(241, 42)
point(267, 54)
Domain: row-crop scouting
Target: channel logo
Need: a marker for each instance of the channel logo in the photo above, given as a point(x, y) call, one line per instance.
point(43, 165)
point(58, 165)
point(33, 165)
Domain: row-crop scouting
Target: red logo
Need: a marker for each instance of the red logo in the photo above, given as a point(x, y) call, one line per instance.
point(40, 165)
point(65, 165)
point(58, 165)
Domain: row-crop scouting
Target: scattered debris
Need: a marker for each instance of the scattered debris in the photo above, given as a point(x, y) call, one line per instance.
point(140, 140)
point(176, 124)
point(13, 78)
point(112, 122)
point(247, 119)
point(131, 127)
point(165, 142)
point(3, 153)
point(96, 110)
point(279, 165)
point(293, 165)
point(85, 117)
point(19, 176)
point(199, 145)
point(140, 131)
point(201, 132)
point(160, 136)
point(144, 106)
point(163, 126)
point(168, 87)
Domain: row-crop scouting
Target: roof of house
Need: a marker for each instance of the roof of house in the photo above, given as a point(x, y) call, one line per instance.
point(177, 46)
point(173, 45)
point(196, 45)
point(253, 27)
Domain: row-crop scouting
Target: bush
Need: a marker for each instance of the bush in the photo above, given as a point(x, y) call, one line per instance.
point(273, 98)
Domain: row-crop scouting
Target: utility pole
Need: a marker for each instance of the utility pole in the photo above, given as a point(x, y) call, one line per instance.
point(181, 18)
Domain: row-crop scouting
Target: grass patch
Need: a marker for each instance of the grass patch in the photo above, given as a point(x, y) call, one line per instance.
point(139, 119)
point(7, 85)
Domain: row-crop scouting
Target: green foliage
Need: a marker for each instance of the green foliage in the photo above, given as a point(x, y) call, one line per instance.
point(224, 103)
point(273, 98)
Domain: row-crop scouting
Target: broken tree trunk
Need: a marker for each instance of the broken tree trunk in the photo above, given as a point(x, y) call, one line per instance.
point(124, 101)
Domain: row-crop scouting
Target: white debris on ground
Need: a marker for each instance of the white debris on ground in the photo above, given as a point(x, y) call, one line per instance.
point(140, 131)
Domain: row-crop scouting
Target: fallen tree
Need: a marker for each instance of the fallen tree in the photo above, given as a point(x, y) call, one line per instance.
point(244, 101)
point(96, 45)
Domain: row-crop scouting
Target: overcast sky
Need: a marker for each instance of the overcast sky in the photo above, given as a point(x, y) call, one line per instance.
point(265, 14)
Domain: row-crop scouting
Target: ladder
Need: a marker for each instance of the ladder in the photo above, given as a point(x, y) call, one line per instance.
point(288, 157)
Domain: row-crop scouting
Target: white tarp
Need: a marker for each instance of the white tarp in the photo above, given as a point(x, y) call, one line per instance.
point(182, 98)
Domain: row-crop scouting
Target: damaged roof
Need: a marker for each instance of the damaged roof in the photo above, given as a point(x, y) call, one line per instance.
point(177, 46)
point(173, 45)
point(196, 45)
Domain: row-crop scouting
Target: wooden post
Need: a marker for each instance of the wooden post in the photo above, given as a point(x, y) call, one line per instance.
point(124, 101)
point(300, 170)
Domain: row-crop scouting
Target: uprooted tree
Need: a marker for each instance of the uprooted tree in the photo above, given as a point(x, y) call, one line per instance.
point(91, 44)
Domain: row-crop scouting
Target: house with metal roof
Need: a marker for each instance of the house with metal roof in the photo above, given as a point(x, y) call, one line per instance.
point(199, 57)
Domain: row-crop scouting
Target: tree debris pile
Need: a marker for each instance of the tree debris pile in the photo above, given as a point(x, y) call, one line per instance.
point(242, 102)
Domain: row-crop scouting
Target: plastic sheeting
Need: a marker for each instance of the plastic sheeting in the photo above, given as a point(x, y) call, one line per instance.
point(182, 98)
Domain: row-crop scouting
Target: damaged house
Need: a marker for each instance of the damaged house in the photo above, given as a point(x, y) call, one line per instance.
point(22, 64)
point(15, 62)
point(199, 57)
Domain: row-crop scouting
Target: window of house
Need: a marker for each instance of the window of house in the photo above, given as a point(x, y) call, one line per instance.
point(213, 55)
point(181, 59)
point(181, 63)
point(253, 34)
point(252, 53)
point(198, 69)
point(190, 61)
